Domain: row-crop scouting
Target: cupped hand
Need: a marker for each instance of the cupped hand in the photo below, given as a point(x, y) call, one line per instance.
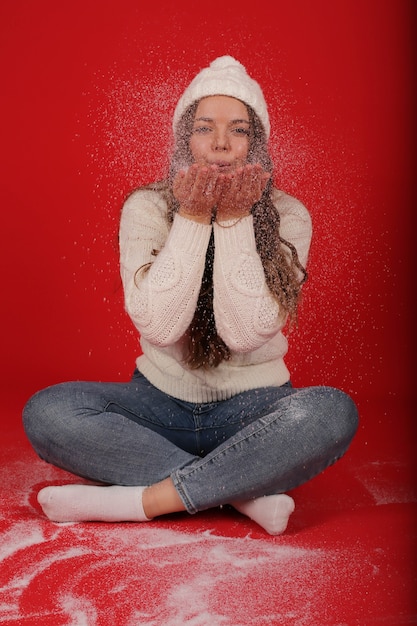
point(243, 188)
point(197, 190)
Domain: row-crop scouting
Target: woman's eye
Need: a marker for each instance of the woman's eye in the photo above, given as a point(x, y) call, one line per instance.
point(241, 131)
point(201, 129)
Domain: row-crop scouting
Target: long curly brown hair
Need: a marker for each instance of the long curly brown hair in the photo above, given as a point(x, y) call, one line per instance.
point(279, 257)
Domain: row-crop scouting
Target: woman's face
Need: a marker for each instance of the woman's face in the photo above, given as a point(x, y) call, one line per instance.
point(220, 133)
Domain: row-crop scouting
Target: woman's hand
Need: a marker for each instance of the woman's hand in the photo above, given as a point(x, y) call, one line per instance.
point(197, 190)
point(244, 187)
point(203, 190)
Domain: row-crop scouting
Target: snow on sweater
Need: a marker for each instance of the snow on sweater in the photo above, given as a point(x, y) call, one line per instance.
point(161, 293)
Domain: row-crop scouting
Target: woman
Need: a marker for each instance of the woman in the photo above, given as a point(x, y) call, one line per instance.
point(212, 262)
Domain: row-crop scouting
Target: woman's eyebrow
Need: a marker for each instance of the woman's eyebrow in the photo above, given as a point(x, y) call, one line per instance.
point(210, 119)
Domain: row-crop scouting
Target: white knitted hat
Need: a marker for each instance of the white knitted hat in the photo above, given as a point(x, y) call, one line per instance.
point(225, 77)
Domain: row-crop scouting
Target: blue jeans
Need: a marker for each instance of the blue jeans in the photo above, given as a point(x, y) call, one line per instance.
point(259, 442)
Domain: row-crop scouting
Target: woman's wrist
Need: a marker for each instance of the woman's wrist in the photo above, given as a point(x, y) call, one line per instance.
point(201, 219)
point(230, 217)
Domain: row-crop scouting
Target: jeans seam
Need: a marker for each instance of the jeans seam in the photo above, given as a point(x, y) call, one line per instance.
point(203, 462)
point(144, 418)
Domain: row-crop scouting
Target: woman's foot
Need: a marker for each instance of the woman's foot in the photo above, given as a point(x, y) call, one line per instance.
point(270, 512)
point(85, 503)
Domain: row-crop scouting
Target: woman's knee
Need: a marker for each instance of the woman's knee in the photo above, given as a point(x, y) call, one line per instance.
point(344, 414)
point(43, 408)
point(349, 413)
point(331, 410)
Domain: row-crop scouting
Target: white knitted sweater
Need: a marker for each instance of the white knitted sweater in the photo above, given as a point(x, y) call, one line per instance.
point(161, 299)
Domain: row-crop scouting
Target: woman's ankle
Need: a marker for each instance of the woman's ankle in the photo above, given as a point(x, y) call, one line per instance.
point(161, 499)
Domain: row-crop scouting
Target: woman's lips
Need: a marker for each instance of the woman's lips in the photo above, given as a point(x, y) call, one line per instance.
point(222, 164)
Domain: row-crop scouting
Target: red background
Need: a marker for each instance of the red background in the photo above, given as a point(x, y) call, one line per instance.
point(87, 94)
point(88, 91)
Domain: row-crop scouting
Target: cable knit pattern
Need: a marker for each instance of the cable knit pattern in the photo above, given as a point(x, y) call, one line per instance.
point(165, 274)
point(242, 301)
point(249, 276)
point(161, 293)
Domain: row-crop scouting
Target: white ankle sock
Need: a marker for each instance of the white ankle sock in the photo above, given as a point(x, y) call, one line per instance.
point(270, 512)
point(83, 503)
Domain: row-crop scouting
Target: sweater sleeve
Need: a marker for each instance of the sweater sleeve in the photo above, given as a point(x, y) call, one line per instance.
point(161, 267)
point(296, 226)
point(247, 315)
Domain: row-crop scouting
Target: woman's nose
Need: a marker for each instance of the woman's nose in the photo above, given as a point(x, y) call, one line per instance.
point(221, 141)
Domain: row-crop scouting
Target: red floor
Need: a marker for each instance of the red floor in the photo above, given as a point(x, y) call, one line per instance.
point(347, 558)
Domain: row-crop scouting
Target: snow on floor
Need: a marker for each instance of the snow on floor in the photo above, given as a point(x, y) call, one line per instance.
point(184, 571)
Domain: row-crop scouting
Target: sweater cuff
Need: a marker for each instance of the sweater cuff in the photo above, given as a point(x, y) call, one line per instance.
point(189, 236)
point(236, 235)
